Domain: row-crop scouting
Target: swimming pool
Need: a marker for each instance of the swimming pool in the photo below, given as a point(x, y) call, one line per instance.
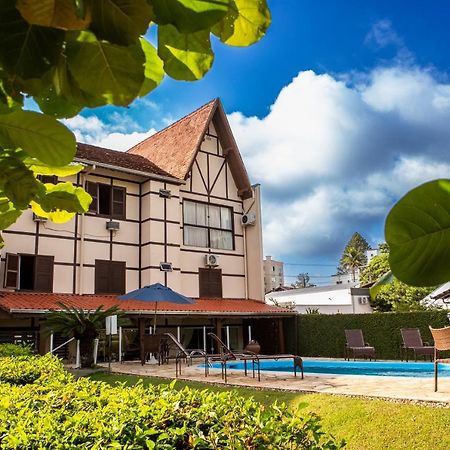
point(376, 368)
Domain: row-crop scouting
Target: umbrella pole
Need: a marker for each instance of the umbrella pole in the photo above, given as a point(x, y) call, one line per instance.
point(154, 321)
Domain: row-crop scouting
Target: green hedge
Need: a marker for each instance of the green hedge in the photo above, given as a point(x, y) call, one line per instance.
point(59, 412)
point(323, 335)
point(15, 350)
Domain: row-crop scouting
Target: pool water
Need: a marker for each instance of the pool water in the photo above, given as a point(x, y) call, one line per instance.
point(376, 368)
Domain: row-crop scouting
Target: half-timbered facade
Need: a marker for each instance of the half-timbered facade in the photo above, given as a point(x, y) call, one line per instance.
point(178, 209)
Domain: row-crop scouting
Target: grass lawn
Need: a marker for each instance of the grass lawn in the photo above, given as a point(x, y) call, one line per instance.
point(364, 424)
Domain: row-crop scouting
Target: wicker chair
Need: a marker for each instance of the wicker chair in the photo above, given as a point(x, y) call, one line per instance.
point(412, 340)
point(441, 338)
point(356, 346)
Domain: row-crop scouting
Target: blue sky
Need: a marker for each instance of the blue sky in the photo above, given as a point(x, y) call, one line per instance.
point(350, 98)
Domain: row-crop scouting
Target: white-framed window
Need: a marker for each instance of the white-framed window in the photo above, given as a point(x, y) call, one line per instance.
point(206, 225)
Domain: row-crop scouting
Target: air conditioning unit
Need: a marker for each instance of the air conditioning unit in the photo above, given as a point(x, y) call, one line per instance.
point(211, 260)
point(248, 219)
point(363, 300)
point(37, 218)
point(165, 193)
point(112, 225)
point(165, 266)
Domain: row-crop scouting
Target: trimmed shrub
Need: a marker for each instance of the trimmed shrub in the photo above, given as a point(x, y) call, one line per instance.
point(23, 370)
point(323, 335)
point(15, 350)
point(85, 414)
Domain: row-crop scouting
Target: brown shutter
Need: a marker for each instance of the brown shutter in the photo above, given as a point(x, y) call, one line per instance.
point(91, 188)
point(118, 202)
point(210, 283)
point(109, 277)
point(11, 271)
point(101, 276)
point(43, 273)
point(117, 271)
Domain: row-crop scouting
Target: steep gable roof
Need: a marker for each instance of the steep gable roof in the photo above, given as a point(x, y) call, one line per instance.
point(174, 148)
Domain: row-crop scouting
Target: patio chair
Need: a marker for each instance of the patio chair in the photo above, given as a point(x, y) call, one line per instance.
point(356, 345)
point(441, 338)
point(131, 348)
point(412, 340)
point(156, 344)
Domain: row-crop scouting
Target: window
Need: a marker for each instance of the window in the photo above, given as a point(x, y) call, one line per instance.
point(207, 225)
point(107, 200)
point(48, 179)
point(29, 272)
point(210, 283)
point(109, 277)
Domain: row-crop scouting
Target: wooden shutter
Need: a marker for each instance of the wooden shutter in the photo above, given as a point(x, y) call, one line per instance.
point(109, 277)
point(102, 278)
point(117, 272)
point(11, 279)
point(43, 273)
point(210, 283)
point(91, 188)
point(118, 202)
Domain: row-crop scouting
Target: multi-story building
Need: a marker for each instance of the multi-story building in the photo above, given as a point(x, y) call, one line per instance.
point(273, 274)
point(178, 209)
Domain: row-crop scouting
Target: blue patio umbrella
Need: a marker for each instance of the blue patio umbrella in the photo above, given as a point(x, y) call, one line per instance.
point(157, 293)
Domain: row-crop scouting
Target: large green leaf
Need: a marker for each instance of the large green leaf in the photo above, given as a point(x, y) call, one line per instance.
point(120, 21)
point(154, 71)
point(41, 136)
point(26, 50)
point(186, 56)
point(8, 213)
point(39, 168)
point(387, 278)
point(417, 231)
point(189, 16)
point(62, 14)
point(245, 23)
point(101, 69)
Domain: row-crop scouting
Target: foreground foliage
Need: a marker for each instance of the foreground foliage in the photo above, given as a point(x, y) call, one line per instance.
point(417, 230)
point(72, 54)
point(54, 410)
point(15, 350)
point(365, 424)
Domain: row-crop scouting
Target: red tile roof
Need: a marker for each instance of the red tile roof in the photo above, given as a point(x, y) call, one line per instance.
point(15, 302)
point(174, 148)
point(125, 160)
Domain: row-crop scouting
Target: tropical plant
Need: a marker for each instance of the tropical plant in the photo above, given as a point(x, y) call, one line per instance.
point(378, 266)
point(72, 54)
point(360, 244)
point(83, 325)
point(417, 230)
point(352, 260)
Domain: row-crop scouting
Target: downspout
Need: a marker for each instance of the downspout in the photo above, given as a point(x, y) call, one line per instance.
point(82, 235)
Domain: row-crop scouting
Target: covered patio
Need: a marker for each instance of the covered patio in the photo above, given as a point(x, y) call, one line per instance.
point(236, 321)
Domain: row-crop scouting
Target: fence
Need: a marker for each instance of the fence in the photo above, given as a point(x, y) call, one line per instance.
point(323, 335)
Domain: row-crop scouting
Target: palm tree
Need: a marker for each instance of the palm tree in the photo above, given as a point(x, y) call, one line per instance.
point(352, 260)
point(82, 325)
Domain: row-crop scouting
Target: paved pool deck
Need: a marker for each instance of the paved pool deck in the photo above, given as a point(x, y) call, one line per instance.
point(398, 388)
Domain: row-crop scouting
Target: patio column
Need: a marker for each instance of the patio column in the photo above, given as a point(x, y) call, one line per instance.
point(218, 333)
point(141, 330)
point(281, 336)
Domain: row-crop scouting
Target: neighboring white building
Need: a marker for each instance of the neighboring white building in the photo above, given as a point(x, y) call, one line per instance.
point(439, 298)
point(273, 274)
point(334, 299)
point(371, 253)
point(345, 278)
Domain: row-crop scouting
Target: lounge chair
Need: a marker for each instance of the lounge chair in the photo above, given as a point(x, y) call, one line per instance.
point(356, 346)
point(226, 354)
point(441, 338)
point(132, 349)
point(412, 340)
point(183, 353)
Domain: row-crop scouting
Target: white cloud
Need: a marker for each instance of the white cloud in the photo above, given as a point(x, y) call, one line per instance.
point(333, 157)
point(115, 135)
